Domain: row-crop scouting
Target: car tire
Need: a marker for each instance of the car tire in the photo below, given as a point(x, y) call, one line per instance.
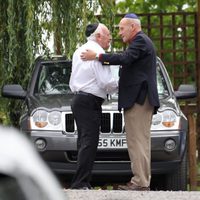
point(177, 180)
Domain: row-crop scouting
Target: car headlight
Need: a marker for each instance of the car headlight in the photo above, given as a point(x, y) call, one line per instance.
point(165, 119)
point(169, 118)
point(157, 119)
point(40, 118)
point(54, 118)
point(47, 120)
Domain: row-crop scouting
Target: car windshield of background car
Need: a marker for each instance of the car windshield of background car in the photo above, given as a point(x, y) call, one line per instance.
point(53, 79)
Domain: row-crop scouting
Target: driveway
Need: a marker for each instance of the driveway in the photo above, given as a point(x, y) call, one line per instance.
point(129, 195)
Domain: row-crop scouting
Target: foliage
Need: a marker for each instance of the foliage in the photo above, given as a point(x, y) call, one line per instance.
point(27, 26)
point(156, 6)
point(108, 15)
point(164, 38)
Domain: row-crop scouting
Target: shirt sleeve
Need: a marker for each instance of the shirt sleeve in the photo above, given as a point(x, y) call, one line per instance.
point(104, 77)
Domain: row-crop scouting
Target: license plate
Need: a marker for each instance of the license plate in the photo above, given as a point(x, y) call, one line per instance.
point(112, 143)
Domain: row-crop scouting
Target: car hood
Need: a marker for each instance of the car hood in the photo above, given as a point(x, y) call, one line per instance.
point(165, 103)
point(63, 102)
point(50, 102)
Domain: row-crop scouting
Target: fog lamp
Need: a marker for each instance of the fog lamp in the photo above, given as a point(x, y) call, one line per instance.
point(40, 144)
point(170, 145)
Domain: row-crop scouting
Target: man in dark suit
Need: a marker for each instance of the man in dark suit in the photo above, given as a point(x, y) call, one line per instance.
point(138, 95)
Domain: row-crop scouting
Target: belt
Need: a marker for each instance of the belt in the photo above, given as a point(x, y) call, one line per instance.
point(89, 94)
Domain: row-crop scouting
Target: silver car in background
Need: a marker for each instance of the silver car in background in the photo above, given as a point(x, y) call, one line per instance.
point(48, 120)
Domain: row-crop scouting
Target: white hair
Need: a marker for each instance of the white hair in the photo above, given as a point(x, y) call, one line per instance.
point(99, 29)
point(136, 21)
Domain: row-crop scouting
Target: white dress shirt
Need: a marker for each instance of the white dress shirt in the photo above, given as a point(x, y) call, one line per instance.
point(91, 76)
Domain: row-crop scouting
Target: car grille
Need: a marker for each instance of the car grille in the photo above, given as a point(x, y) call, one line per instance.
point(110, 122)
point(69, 122)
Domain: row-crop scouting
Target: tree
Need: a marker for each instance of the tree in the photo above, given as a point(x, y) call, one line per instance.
point(158, 6)
point(27, 25)
point(25, 29)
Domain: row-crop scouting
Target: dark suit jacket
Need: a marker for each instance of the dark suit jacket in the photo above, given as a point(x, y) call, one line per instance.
point(138, 72)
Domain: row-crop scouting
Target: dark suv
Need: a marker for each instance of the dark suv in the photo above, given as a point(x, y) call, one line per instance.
point(49, 121)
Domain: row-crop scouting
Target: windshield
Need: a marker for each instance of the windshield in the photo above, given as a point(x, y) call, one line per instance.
point(53, 78)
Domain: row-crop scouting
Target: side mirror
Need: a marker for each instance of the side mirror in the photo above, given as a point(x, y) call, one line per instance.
point(186, 91)
point(13, 91)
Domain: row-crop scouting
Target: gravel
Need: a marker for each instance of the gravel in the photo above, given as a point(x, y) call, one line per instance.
point(129, 195)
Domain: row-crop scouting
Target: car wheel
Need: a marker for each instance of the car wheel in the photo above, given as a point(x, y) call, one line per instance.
point(178, 179)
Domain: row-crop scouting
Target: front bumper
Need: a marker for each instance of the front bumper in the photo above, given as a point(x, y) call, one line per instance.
point(60, 153)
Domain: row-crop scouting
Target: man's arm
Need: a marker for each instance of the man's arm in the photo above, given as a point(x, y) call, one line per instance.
point(135, 50)
point(104, 78)
point(92, 55)
point(105, 58)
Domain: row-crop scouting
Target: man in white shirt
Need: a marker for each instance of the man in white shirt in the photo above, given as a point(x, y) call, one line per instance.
point(90, 82)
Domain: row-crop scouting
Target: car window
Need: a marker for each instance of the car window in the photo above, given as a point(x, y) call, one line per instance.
point(161, 84)
point(53, 78)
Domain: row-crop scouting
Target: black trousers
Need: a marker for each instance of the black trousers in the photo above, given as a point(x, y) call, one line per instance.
point(87, 113)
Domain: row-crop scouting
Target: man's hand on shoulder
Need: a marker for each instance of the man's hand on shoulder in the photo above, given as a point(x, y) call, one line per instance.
point(89, 55)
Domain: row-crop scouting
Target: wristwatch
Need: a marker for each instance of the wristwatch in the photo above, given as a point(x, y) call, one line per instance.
point(97, 56)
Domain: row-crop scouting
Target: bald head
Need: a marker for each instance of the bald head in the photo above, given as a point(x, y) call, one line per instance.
point(128, 28)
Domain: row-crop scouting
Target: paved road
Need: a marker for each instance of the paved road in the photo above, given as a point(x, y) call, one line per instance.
point(129, 195)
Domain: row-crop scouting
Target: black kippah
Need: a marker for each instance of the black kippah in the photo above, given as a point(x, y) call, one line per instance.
point(90, 29)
